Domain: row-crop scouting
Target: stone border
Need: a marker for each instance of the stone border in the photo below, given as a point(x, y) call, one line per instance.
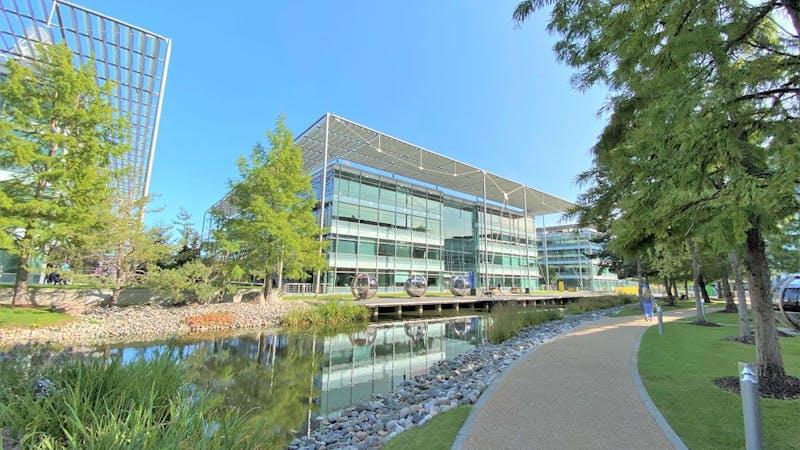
point(662, 423)
point(469, 424)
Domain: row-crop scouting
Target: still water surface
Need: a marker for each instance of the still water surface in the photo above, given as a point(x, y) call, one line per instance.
point(290, 377)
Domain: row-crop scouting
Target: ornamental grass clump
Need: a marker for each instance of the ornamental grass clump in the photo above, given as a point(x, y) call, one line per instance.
point(97, 404)
point(588, 304)
point(329, 314)
point(507, 320)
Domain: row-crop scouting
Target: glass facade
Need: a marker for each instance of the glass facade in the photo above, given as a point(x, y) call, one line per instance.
point(570, 253)
point(393, 229)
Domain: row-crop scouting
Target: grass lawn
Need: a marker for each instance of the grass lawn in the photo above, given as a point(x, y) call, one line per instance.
point(636, 310)
point(438, 434)
point(23, 317)
point(678, 370)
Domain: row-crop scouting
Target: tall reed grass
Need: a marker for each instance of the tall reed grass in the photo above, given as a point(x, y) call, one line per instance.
point(507, 320)
point(328, 314)
point(95, 404)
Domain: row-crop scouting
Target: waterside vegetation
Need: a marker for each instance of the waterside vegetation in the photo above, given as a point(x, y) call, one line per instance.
point(97, 404)
point(507, 320)
point(328, 314)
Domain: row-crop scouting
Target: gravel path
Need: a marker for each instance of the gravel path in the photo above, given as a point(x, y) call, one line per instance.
point(116, 324)
point(576, 392)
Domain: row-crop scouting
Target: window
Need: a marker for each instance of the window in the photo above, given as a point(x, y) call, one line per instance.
point(418, 224)
point(344, 279)
point(368, 215)
point(347, 212)
point(386, 218)
point(434, 253)
point(386, 249)
point(401, 220)
point(369, 191)
point(400, 278)
point(346, 246)
point(418, 252)
point(367, 247)
point(403, 250)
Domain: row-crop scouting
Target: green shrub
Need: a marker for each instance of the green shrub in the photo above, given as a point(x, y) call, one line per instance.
point(587, 304)
point(191, 282)
point(329, 314)
point(94, 404)
point(507, 320)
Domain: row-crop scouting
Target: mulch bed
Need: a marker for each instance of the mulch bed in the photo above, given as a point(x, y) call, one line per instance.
point(751, 340)
point(787, 390)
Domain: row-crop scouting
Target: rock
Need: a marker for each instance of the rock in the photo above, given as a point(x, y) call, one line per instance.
point(447, 384)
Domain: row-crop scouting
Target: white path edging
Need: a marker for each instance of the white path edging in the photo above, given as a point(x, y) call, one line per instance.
point(662, 423)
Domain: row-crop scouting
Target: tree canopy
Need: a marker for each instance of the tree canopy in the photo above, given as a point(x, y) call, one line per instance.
point(268, 228)
point(702, 138)
point(58, 136)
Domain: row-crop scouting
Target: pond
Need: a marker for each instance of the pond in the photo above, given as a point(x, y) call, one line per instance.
point(290, 377)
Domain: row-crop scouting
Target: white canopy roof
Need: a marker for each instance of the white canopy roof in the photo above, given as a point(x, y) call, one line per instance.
point(350, 141)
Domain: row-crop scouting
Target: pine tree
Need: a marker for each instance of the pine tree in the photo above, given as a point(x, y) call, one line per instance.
point(268, 229)
point(58, 135)
point(704, 124)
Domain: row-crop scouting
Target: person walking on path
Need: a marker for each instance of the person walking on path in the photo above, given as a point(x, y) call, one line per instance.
point(648, 304)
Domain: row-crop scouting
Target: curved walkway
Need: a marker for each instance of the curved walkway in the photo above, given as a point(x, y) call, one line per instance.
point(576, 392)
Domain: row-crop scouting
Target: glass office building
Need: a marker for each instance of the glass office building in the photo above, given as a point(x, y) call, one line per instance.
point(393, 229)
point(570, 253)
point(134, 59)
point(393, 209)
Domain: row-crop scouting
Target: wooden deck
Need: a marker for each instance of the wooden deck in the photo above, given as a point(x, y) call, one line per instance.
point(420, 304)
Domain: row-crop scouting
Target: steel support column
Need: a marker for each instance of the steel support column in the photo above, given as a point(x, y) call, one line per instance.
point(322, 194)
point(527, 243)
point(546, 262)
point(485, 257)
point(154, 139)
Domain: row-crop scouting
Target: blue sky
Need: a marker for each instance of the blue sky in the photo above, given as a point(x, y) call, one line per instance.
point(452, 76)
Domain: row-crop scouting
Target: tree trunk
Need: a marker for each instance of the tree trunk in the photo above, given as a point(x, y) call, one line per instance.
point(670, 297)
point(675, 288)
point(744, 325)
point(793, 11)
point(704, 289)
point(280, 276)
point(686, 289)
point(640, 280)
point(698, 300)
point(770, 362)
point(725, 290)
point(262, 349)
point(266, 288)
point(21, 284)
point(115, 293)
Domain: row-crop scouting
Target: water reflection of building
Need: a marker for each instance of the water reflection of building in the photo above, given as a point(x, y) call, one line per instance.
point(376, 361)
point(343, 368)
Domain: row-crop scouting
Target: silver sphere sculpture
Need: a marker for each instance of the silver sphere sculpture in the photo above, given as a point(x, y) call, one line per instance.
point(364, 286)
point(459, 286)
point(416, 285)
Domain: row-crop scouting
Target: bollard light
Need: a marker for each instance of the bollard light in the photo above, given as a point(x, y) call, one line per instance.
point(751, 407)
point(660, 313)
